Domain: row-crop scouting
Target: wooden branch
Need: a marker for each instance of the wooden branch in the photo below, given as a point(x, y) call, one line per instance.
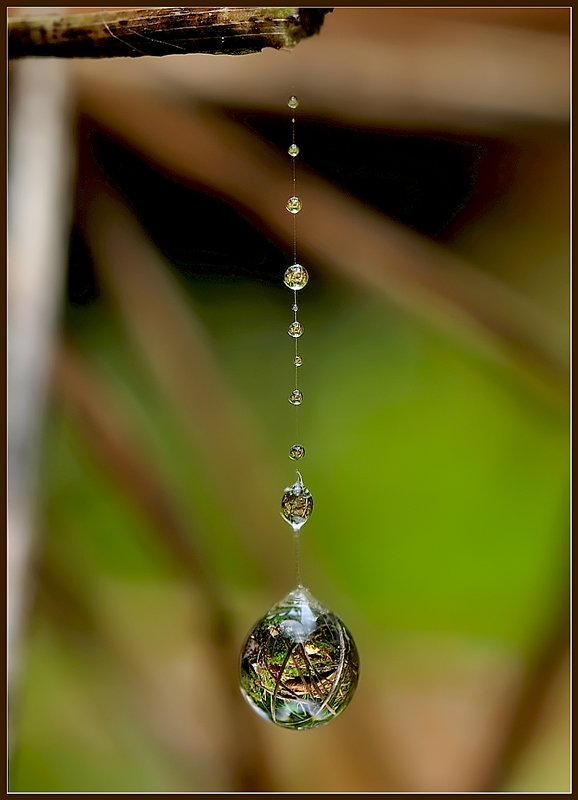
point(133, 32)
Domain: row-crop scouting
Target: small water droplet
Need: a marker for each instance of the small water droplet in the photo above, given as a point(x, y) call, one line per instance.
point(293, 102)
point(293, 150)
point(294, 205)
point(296, 277)
point(299, 665)
point(297, 452)
point(296, 397)
point(295, 329)
point(294, 307)
point(298, 361)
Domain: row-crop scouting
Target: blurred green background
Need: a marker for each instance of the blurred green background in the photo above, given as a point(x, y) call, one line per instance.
point(436, 429)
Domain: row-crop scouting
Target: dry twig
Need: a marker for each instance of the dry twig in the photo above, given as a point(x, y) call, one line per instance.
point(134, 32)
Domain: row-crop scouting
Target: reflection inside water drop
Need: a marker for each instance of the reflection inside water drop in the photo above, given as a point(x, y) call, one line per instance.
point(297, 504)
point(299, 664)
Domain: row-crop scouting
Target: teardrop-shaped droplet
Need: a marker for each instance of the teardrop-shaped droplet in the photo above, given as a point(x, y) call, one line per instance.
point(293, 150)
point(293, 205)
point(293, 102)
point(299, 664)
point(296, 277)
point(296, 504)
point(295, 329)
point(296, 397)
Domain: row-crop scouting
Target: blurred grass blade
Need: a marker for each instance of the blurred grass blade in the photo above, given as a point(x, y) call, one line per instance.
point(116, 446)
point(174, 346)
point(394, 69)
point(344, 236)
point(113, 443)
point(544, 673)
point(40, 190)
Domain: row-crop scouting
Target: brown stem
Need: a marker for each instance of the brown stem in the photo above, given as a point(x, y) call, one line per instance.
point(133, 32)
point(528, 713)
point(364, 247)
point(108, 433)
point(177, 352)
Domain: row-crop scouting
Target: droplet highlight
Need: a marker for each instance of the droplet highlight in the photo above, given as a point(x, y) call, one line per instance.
point(299, 665)
point(294, 205)
point(296, 277)
point(297, 452)
point(296, 397)
point(295, 329)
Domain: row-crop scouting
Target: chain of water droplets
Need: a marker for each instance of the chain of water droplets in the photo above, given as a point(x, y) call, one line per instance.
point(297, 502)
point(299, 665)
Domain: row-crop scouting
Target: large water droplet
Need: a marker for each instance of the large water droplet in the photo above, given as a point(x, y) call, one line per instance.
point(296, 277)
point(293, 102)
point(297, 504)
point(293, 150)
point(296, 397)
point(299, 664)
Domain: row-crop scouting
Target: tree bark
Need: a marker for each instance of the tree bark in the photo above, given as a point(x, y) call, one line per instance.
point(133, 32)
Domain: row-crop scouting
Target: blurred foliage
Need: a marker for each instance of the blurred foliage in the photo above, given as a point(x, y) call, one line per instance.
point(440, 533)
